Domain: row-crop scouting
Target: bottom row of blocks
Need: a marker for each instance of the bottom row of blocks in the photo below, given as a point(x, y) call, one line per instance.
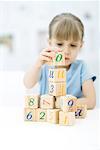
point(42, 115)
point(51, 115)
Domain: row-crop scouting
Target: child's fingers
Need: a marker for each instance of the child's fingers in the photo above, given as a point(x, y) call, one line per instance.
point(44, 58)
point(48, 54)
point(53, 49)
point(47, 49)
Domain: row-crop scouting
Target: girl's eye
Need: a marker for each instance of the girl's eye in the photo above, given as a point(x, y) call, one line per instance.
point(59, 44)
point(72, 45)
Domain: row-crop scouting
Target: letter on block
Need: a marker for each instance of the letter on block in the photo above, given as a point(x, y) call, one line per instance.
point(59, 59)
point(57, 75)
point(41, 115)
point(57, 89)
point(81, 111)
point(68, 103)
point(32, 101)
point(66, 118)
point(47, 101)
point(29, 114)
point(53, 115)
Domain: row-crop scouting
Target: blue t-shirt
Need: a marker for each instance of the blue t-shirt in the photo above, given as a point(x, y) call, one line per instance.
point(75, 76)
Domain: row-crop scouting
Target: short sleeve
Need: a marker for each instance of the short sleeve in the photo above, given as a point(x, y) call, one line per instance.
point(42, 73)
point(43, 80)
point(85, 74)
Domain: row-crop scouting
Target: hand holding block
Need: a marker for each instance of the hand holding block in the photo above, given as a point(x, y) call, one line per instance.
point(57, 89)
point(57, 75)
point(66, 118)
point(47, 101)
point(32, 101)
point(81, 111)
point(41, 115)
point(68, 103)
point(53, 115)
point(29, 114)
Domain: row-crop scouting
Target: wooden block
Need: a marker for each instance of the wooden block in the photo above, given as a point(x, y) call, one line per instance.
point(59, 58)
point(58, 102)
point(32, 101)
point(41, 115)
point(57, 89)
point(57, 75)
point(81, 111)
point(47, 101)
point(53, 115)
point(66, 118)
point(29, 114)
point(68, 103)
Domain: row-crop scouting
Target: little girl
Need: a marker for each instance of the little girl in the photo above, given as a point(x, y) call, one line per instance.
point(66, 32)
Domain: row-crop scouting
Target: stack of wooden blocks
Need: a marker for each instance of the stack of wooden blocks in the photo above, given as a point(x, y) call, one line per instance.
point(56, 106)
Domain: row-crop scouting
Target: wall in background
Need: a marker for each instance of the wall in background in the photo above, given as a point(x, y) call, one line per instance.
point(27, 24)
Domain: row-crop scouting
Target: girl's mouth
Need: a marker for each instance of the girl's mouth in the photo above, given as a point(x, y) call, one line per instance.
point(67, 58)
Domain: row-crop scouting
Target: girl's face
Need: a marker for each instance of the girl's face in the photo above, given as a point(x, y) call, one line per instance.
point(70, 48)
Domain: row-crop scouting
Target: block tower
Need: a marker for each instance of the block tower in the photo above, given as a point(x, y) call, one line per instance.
point(57, 88)
point(56, 106)
point(57, 76)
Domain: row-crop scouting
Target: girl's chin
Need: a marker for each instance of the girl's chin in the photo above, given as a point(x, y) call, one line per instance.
point(67, 62)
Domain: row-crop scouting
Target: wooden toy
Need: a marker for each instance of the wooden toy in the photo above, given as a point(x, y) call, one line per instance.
point(59, 58)
point(68, 103)
point(54, 107)
point(81, 111)
point(32, 101)
point(57, 89)
point(58, 102)
point(47, 101)
point(29, 114)
point(57, 75)
point(66, 118)
point(41, 115)
point(53, 115)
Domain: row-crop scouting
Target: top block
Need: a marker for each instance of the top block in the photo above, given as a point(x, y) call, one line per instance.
point(59, 58)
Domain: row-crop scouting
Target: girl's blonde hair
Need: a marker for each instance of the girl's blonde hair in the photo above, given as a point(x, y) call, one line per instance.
point(66, 26)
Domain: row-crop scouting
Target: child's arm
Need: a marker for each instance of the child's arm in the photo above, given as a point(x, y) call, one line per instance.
point(32, 75)
point(89, 94)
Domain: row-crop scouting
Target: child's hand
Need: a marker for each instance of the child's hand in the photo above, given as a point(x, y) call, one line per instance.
point(46, 56)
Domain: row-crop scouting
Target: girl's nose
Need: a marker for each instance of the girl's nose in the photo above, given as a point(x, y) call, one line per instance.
point(67, 50)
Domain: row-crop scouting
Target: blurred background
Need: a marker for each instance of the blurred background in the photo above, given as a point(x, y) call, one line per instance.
point(24, 32)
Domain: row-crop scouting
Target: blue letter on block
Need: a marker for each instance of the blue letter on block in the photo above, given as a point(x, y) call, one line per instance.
point(51, 75)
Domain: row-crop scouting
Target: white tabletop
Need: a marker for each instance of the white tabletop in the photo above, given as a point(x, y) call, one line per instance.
point(39, 135)
point(17, 134)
